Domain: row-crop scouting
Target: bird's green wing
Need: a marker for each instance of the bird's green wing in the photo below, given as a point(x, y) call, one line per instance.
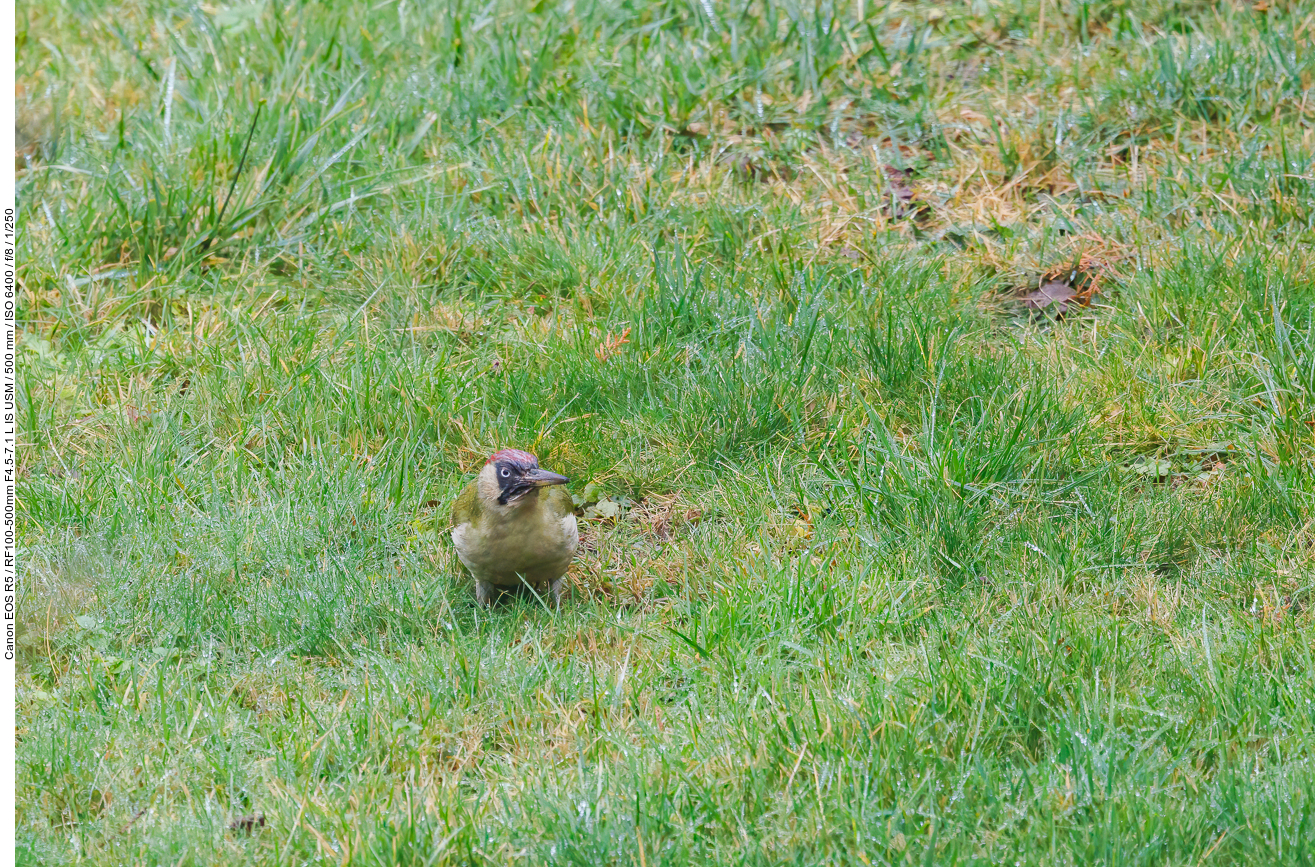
point(558, 500)
point(466, 507)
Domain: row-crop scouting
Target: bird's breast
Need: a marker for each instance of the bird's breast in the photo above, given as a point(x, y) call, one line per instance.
point(530, 545)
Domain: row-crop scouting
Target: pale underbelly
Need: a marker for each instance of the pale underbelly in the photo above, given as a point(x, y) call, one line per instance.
point(511, 560)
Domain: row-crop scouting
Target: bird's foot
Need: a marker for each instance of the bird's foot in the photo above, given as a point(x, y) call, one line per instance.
point(484, 593)
point(558, 591)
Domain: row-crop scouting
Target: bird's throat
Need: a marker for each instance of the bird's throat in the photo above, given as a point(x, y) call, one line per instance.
point(515, 494)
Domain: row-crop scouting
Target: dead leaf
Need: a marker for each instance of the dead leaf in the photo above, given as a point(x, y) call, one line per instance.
point(665, 523)
point(1053, 297)
point(611, 345)
point(906, 202)
point(899, 182)
point(247, 824)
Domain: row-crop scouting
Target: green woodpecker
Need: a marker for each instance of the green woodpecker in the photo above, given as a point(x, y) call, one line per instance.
point(512, 527)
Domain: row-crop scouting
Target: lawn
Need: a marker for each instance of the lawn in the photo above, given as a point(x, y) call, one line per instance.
point(936, 381)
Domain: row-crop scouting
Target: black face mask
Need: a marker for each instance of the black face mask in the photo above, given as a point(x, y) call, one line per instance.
point(513, 484)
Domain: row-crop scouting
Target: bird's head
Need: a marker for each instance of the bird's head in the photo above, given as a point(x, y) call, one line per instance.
point(509, 475)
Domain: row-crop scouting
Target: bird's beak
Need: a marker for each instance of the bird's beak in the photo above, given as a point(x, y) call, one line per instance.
point(542, 478)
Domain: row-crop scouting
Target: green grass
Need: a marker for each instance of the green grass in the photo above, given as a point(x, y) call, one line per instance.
point(909, 574)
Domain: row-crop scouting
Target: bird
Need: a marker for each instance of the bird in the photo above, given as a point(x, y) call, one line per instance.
point(514, 525)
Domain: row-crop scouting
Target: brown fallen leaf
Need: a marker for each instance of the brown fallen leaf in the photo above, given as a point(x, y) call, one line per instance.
point(247, 824)
point(1053, 297)
point(611, 345)
point(136, 414)
point(899, 183)
point(1088, 275)
point(905, 202)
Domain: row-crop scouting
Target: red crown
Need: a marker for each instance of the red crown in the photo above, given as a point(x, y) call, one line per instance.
point(514, 456)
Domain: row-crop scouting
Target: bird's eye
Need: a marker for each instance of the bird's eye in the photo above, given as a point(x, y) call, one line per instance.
point(506, 473)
